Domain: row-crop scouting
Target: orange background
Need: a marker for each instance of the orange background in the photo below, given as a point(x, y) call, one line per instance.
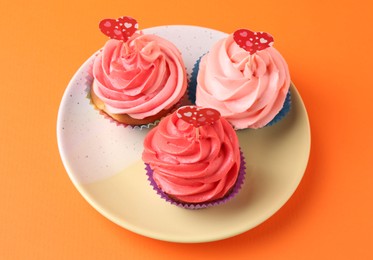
point(327, 47)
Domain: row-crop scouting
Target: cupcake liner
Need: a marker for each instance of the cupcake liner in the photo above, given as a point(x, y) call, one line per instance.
point(89, 81)
point(192, 88)
point(237, 186)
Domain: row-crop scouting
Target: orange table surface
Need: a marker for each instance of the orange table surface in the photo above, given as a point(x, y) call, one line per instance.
point(327, 47)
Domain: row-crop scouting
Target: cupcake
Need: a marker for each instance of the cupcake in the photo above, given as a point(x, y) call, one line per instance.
point(245, 79)
point(193, 158)
point(138, 78)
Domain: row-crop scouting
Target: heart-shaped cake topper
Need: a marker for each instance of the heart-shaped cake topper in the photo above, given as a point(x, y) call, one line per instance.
point(119, 29)
point(252, 41)
point(198, 116)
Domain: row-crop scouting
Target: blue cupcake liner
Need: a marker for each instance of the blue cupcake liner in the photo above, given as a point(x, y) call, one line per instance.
point(236, 187)
point(192, 88)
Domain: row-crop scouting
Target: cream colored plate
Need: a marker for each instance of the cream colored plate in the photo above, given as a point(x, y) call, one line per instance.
point(103, 161)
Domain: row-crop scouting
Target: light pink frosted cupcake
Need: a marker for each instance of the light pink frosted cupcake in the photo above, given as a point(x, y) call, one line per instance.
point(245, 79)
point(138, 78)
point(193, 158)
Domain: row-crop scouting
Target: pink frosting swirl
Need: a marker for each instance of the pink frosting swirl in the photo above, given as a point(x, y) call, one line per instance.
point(139, 77)
point(248, 90)
point(192, 169)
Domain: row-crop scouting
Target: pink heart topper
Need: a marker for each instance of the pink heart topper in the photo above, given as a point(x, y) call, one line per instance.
point(252, 41)
point(197, 116)
point(119, 29)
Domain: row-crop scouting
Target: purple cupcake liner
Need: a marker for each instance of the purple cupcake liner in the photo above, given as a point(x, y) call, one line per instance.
point(192, 88)
point(236, 187)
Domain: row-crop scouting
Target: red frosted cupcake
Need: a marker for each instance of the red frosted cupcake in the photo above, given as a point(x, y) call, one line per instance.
point(193, 158)
point(138, 78)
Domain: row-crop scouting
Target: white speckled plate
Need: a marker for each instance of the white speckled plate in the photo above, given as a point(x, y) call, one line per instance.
point(103, 161)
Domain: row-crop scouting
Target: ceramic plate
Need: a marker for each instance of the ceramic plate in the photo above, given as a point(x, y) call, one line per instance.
point(103, 161)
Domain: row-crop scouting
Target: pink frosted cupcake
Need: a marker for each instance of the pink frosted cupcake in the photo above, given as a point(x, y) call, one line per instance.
point(245, 79)
point(138, 78)
point(193, 158)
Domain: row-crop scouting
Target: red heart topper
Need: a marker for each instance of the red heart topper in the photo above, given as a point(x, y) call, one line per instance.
point(252, 41)
point(197, 116)
point(119, 29)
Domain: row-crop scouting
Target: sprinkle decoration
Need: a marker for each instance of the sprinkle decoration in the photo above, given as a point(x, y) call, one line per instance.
point(119, 29)
point(252, 41)
point(197, 116)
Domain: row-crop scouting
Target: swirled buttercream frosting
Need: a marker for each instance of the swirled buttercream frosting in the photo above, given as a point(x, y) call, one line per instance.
point(139, 77)
point(247, 89)
point(189, 165)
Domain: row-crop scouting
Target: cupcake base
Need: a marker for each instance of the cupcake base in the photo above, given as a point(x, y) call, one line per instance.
point(236, 187)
